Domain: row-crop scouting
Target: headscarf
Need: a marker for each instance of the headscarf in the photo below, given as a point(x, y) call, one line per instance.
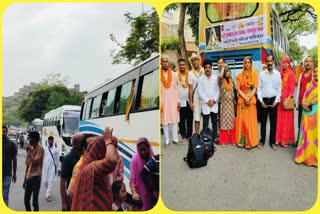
point(247, 83)
point(226, 69)
point(136, 183)
point(285, 74)
point(287, 60)
point(88, 182)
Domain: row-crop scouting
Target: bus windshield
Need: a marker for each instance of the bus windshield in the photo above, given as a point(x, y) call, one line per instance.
point(70, 122)
point(217, 12)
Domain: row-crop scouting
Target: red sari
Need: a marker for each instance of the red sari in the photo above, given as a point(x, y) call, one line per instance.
point(285, 118)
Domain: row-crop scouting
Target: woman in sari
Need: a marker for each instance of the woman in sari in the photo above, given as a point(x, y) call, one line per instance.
point(307, 149)
point(138, 189)
point(247, 124)
point(285, 118)
point(93, 190)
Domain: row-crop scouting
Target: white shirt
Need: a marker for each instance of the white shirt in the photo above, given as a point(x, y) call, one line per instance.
point(269, 85)
point(193, 80)
point(183, 92)
point(209, 90)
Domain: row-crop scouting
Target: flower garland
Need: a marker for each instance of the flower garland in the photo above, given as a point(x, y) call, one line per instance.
point(184, 83)
point(166, 82)
point(227, 86)
point(196, 73)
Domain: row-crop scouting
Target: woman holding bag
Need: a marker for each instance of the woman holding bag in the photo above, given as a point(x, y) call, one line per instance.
point(285, 116)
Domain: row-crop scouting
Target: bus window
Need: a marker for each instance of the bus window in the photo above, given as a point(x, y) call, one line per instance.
point(149, 97)
point(96, 106)
point(87, 109)
point(124, 96)
point(108, 108)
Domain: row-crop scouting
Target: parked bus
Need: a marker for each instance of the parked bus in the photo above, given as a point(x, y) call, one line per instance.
point(61, 123)
point(236, 30)
point(37, 125)
point(130, 105)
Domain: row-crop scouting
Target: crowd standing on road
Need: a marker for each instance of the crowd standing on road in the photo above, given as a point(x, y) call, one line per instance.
point(91, 173)
point(232, 106)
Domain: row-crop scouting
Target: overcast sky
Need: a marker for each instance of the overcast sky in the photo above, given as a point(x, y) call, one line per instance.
point(70, 39)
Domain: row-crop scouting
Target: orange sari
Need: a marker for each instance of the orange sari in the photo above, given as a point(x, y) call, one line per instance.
point(247, 123)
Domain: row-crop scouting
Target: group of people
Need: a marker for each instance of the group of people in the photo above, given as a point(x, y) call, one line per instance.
point(91, 174)
point(186, 95)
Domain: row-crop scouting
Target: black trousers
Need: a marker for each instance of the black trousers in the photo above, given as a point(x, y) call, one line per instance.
point(186, 120)
point(299, 120)
point(32, 187)
point(272, 113)
point(214, 122)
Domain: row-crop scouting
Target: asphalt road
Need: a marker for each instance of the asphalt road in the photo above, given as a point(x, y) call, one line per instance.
point(238, 179)
point(16, 195)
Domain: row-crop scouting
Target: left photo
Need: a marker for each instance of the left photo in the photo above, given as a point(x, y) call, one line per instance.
point(80, 107)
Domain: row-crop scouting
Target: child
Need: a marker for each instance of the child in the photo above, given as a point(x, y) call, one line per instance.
point(119, 196)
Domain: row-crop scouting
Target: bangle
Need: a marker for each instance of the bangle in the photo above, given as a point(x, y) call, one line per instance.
point(109, 144)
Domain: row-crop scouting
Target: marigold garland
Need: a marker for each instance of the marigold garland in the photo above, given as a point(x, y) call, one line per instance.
point(184, 83)
point(227, 86)
point(196, 73)
point(166, 83)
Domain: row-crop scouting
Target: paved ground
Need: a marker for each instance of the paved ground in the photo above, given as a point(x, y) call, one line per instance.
point(238, 179)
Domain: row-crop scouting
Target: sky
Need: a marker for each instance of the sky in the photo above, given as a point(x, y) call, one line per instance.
point(67, 38)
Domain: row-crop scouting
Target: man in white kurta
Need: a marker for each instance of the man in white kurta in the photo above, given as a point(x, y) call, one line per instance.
point(170, 102)
point(51, 166)
point(209, 93)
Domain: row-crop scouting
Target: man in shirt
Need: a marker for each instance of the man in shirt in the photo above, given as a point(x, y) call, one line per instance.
point(186, 115)
point(209, 93)
point(9, 164)
point(34, 162)
point(194, 98)
point(269, 92)
point(304, 78)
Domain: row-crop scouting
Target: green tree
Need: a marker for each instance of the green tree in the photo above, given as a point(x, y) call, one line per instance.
point(142, 41)
point(10, 117)
point(298, 19)
point(42, 100)
point(313, 52)
point(296, 50)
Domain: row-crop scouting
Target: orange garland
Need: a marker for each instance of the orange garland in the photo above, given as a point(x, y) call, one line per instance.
point(186, 81)
point(166, 83)
point(227, 86)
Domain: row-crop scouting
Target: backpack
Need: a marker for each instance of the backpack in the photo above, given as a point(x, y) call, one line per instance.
point(206, 137)
point(196, 152)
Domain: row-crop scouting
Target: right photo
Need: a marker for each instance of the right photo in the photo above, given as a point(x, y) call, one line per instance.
point(239, 106)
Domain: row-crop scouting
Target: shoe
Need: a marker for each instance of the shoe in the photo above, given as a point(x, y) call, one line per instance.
point(166, 146)
point(260, 145)
point(176, 142)
point(184, 141)
point(274, 146)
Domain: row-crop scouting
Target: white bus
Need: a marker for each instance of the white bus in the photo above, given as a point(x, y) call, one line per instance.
point(61, 123)
point(37, 125)
point(130, 105)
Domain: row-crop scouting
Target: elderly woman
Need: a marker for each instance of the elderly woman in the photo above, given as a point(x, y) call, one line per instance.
point(307, 149)
point(247, 124)
point(138, 189)
point(285, 117)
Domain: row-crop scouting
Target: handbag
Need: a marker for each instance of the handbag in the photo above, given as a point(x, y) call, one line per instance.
point(288, 103)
